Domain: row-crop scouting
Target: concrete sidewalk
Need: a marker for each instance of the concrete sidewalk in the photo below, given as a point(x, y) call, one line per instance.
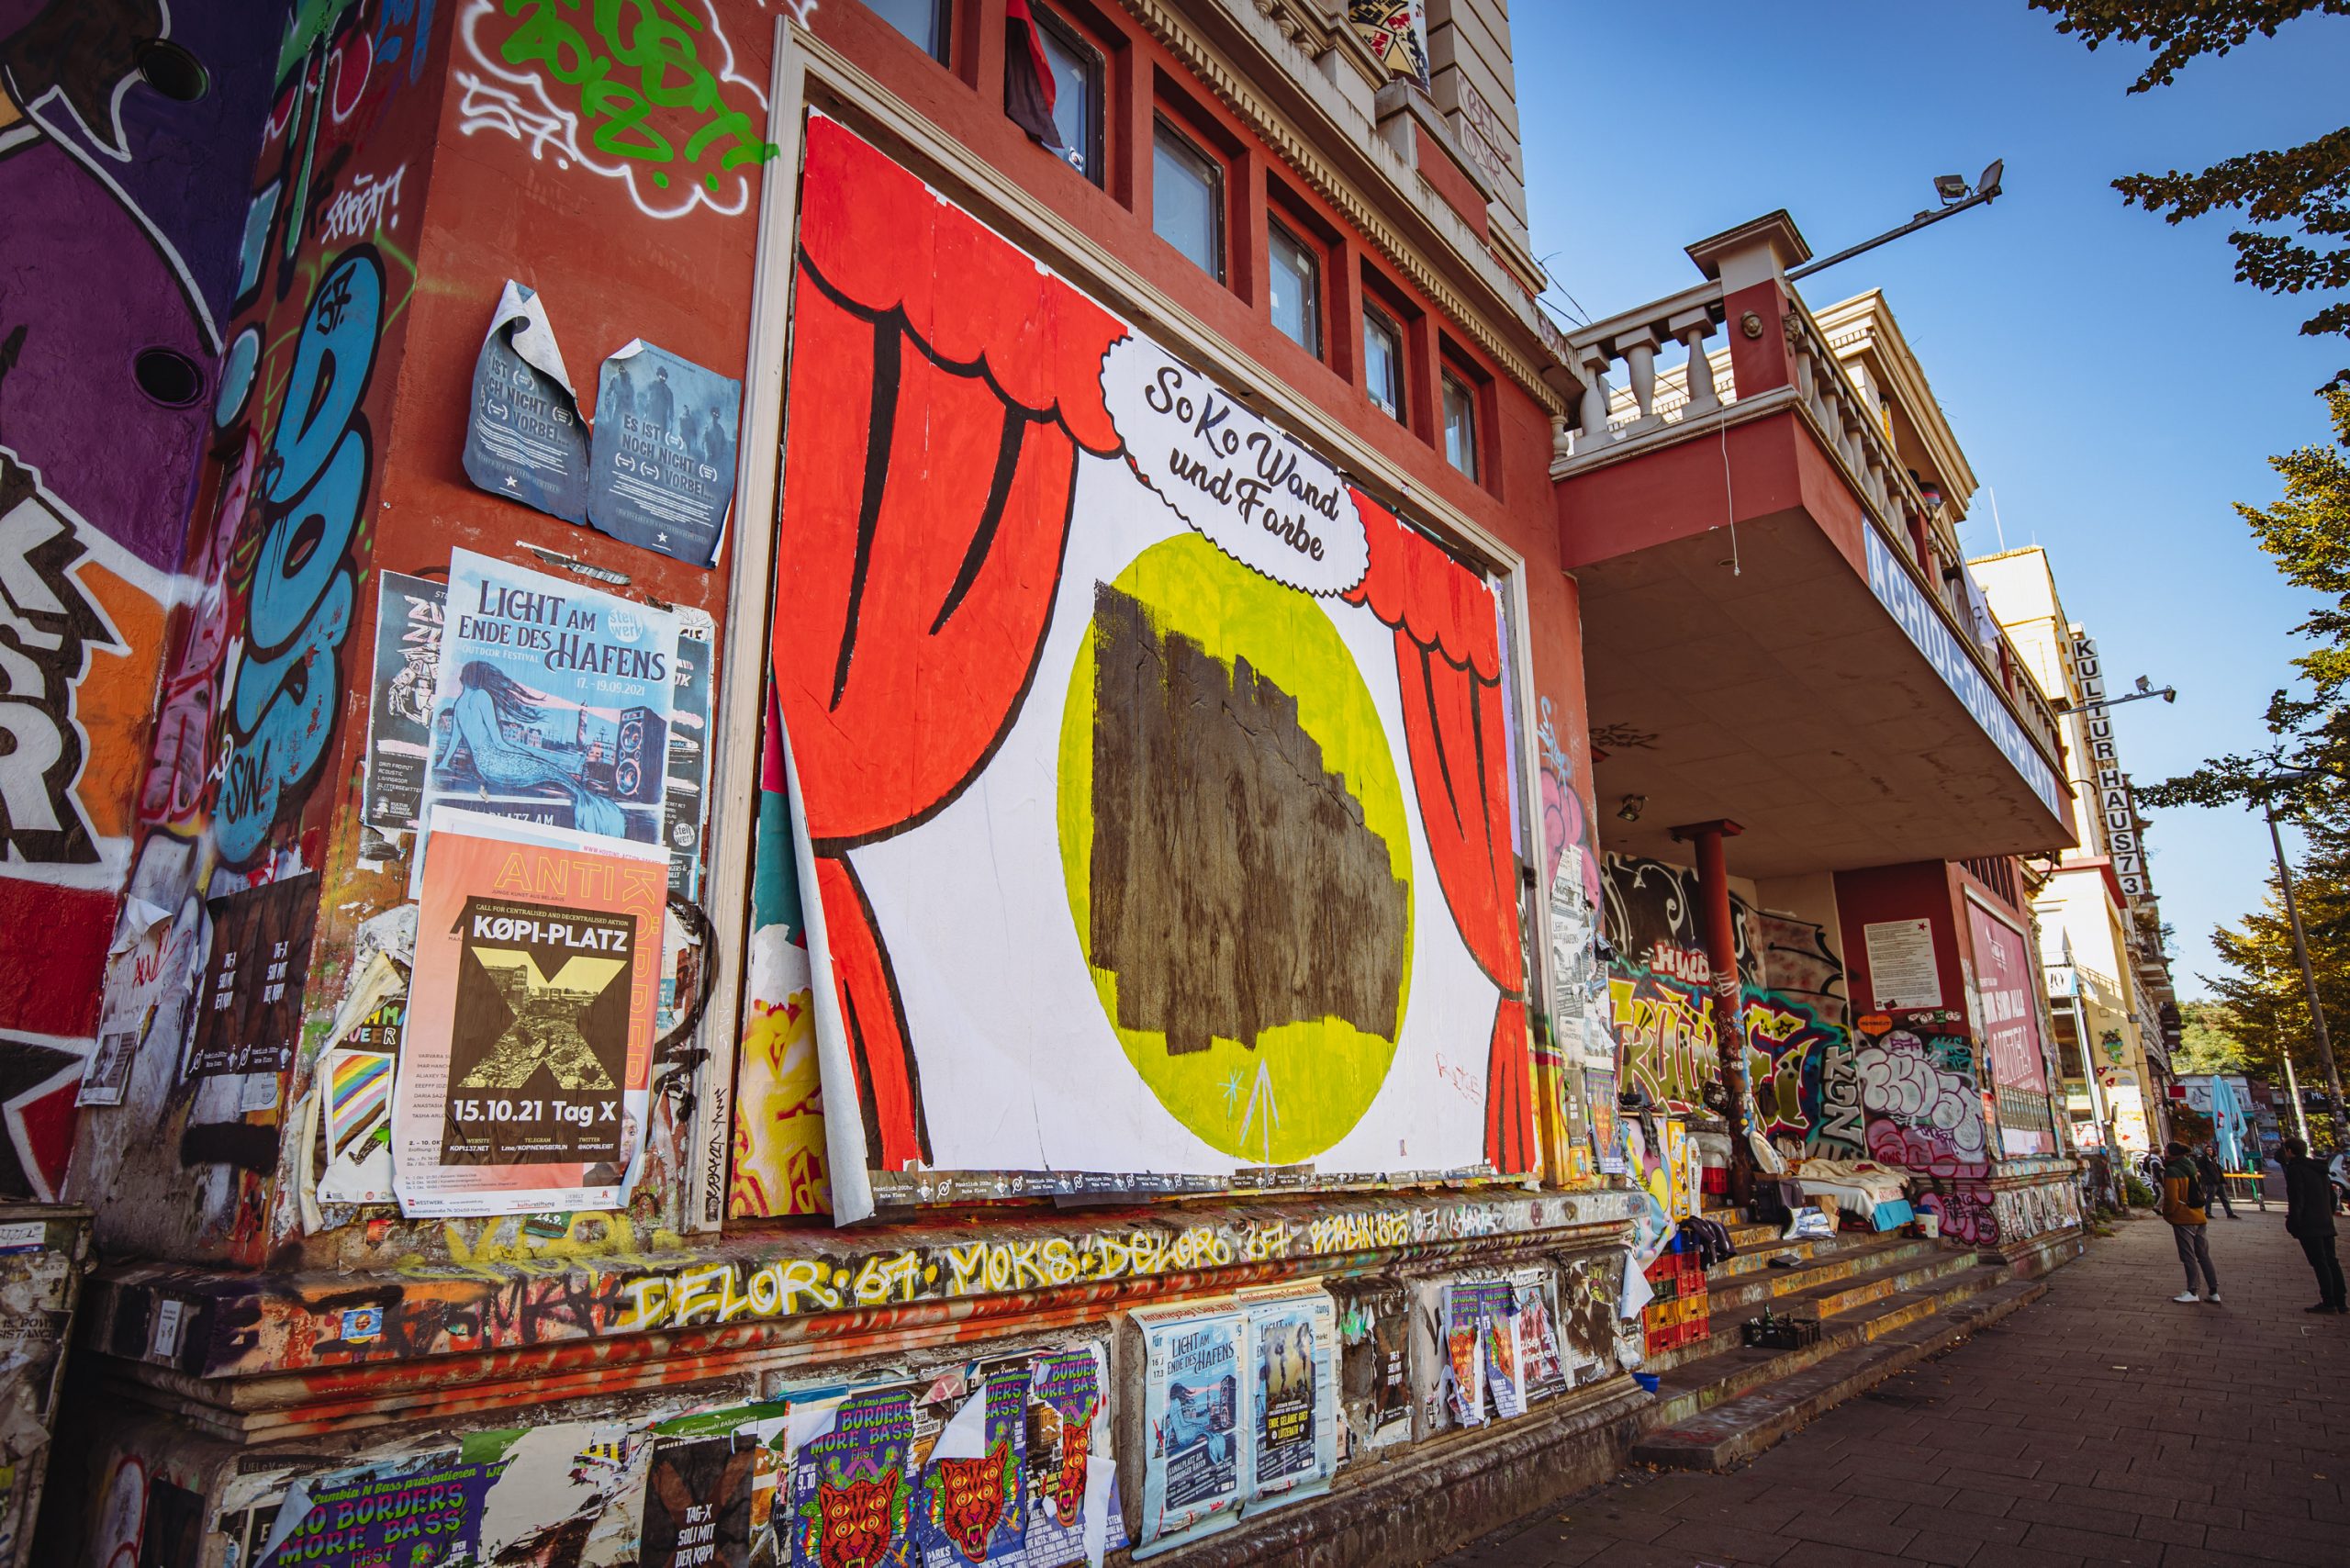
point(2104, 1425)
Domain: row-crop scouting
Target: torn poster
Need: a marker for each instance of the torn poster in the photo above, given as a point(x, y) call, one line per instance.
point(357, 1517)
point(528, 1046)
point(697, 1502)
point(553, 705)
point(662, 471)
point(686, 813)
point(408, 612)
point(134, 986)
point(249, 1008)
point(353, 1087)
point(524, 439)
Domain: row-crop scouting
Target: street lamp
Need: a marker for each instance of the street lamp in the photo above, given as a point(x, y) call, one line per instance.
point(2146, 688)
point(2267, 798)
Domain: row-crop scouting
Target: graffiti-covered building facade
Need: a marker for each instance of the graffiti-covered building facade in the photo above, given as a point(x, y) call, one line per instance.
point(833, 793)
point(2101, 929)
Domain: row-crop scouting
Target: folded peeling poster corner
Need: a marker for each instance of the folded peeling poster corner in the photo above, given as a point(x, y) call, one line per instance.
point(524, 439)
point(661, 469)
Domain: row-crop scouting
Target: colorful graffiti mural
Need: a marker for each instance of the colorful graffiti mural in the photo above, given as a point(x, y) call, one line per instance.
point(1660, 980)
point(651, 97)
point(126, 135)
point(1799, 1041)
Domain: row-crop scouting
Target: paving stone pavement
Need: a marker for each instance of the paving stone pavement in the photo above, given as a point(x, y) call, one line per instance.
point(2105, 1424)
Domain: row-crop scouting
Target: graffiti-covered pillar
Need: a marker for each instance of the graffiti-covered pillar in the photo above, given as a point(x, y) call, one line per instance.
point(1721, 957)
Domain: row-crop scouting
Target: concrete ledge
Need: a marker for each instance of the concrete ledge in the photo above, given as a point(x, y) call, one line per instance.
point(1443, 1493)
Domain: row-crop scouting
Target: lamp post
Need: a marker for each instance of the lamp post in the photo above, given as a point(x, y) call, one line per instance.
point(2301, 952)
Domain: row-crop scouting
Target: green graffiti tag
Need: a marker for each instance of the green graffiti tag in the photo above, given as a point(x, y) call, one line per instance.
point(643, 91)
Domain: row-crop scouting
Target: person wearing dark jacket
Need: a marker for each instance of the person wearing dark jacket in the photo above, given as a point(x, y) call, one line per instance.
point(2308, 1219)
point(2215, 1181)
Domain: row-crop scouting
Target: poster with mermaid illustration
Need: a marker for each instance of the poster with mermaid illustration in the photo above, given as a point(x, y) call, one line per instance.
point(553, 706)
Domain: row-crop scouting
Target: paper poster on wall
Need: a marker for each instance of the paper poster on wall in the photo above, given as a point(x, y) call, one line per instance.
point(662, 474)
point(408, 612)
point(524, 439)
point(249, 1005)
point(1069, 1461)
point(1468, 1304)
point(1903, 972)
point(686, 807)
point(353, 1087)
point(2008, 978)
point(1204, 694)
point(697, 1502)
point(528, 1046)
point(1193, 1430)
point(1374, 1369)
point(136, 978)
point(1293, 1422)
point(1607, 1134)
point(376, 1515)
point(553, 705)
point(1544, 1365)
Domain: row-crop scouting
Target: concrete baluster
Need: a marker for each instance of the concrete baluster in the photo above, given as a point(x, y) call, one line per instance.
point(1692, 328)
point(1593, 362)
point(1638, 350)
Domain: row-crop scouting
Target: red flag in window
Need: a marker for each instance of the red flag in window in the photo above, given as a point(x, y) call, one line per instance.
point(1028, 88)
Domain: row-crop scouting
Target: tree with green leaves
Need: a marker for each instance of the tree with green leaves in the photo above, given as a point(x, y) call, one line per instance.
point(2297, 199)
point(2305, 776)
point(2306, 534)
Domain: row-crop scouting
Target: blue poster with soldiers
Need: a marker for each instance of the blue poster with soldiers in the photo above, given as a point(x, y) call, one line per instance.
point(662, 472)
point(553, 704)
point(524, 439)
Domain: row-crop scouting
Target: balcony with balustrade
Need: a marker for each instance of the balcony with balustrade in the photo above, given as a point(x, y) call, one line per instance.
point(1759, 503)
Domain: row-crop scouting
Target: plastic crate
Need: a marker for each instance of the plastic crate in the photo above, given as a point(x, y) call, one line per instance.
point(1779, 1333)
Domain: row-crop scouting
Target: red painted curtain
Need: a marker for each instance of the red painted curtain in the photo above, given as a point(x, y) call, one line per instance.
point(1448, 660)
point(941, 388)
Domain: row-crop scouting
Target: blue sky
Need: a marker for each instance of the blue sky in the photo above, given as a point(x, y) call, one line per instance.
point(2109, 380)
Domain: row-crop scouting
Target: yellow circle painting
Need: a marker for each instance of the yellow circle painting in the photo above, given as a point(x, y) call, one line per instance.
point(1233, 841)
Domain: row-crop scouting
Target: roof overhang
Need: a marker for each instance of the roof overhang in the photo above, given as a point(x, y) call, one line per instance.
point(1756, 648)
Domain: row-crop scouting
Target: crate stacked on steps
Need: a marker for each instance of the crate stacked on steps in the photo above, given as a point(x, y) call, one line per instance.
point(1678, 1313)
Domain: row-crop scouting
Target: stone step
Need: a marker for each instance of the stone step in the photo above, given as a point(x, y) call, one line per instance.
point(1769, 1287)
point(1722, 1367)
point(1757, 1256)
point(1732, 1430)
point(1826, 1288)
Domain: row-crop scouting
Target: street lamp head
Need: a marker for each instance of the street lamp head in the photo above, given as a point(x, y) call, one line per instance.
point(1949, 188)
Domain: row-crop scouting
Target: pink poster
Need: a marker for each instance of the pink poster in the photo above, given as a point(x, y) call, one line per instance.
point(2007, 975)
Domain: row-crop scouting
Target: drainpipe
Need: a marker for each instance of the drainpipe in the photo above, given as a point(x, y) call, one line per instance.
point(1721, 957)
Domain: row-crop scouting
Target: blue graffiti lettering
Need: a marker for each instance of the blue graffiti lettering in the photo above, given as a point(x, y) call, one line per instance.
point(313, 492)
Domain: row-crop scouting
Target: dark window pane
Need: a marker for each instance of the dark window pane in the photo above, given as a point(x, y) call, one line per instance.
point(1383, 362)
point(1297, 288)
point(1187, 200)
point(1459, 425)
point(924, 21)
point(1076, 97)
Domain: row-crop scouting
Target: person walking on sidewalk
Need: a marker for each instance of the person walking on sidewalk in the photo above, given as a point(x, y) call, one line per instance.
point(2215, 1179)
point(2183, 1201)
point(2308, 1219)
